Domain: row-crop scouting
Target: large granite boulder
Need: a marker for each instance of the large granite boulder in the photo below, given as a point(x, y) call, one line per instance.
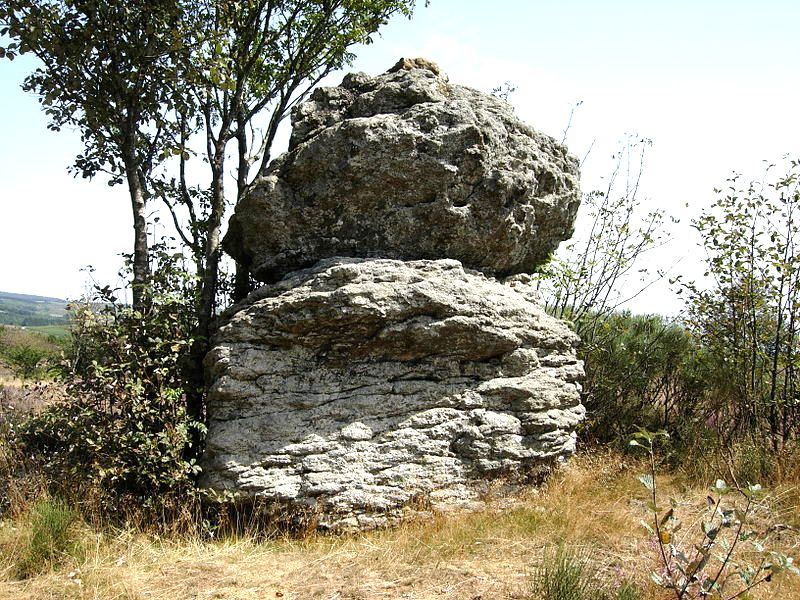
point(409, 166)
point(353, 388)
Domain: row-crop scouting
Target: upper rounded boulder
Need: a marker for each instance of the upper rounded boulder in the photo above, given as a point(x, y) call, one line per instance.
point(408, 166)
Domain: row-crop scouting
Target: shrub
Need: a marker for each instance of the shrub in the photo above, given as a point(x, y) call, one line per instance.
point(119, 441)
point(641, 370)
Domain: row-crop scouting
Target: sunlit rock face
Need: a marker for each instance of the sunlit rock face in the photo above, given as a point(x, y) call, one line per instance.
point(408, 166)
point(396, 356)
point(359, 385)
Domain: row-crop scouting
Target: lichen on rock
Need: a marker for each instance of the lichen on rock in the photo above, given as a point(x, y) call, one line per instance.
point(357, 385)
point(409, 166)
point(397, 351)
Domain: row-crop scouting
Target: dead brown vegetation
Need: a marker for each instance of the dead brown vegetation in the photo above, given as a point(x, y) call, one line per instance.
point(592, 506)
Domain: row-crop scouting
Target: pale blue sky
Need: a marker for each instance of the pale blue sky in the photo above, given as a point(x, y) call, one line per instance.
point(714, 84)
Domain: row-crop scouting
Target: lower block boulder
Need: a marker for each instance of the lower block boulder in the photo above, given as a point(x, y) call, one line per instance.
point(359, 388)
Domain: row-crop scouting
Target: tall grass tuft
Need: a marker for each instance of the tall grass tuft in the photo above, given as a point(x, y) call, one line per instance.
point(50, 537)
point(565, 575)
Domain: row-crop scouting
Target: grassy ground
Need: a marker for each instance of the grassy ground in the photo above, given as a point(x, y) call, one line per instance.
point(30, 352)
point(59, 331)
point(593, 507)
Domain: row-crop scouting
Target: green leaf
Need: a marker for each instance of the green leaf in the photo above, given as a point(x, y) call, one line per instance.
point(710, 530)
point(721, 487)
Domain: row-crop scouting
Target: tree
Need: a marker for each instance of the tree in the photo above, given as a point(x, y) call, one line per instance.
point(249, 63)
point(269, 55)
point(148, 83)
point(104, 68)
point(747, 316)
point(583, 282)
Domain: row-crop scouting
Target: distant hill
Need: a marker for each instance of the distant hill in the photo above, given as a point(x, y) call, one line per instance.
point(25, 310)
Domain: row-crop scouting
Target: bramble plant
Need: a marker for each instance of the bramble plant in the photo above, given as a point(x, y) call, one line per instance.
point(713, 561)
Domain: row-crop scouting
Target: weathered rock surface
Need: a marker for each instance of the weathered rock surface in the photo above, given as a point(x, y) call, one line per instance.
point(408, 166)
point(358, 386)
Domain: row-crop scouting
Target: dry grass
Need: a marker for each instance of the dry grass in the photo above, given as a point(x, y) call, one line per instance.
point(594, 505)
point(18, 397)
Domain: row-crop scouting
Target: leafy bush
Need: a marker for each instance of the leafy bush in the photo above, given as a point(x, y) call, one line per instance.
point(747, 313)
point(120, 439)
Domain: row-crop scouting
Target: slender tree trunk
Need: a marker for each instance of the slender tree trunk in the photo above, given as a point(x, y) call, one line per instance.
point(241, 282)
point(141, 253)
point(208, 293)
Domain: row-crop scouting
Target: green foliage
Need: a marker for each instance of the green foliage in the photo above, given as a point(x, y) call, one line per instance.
point(748, 317)
point(104, 65)
point(564, 575)
point(30, 354)
point(50, 537)
point(145, 82)
point(11, 459)
point(121, 437)
point(711, 560)
point(640, 370)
